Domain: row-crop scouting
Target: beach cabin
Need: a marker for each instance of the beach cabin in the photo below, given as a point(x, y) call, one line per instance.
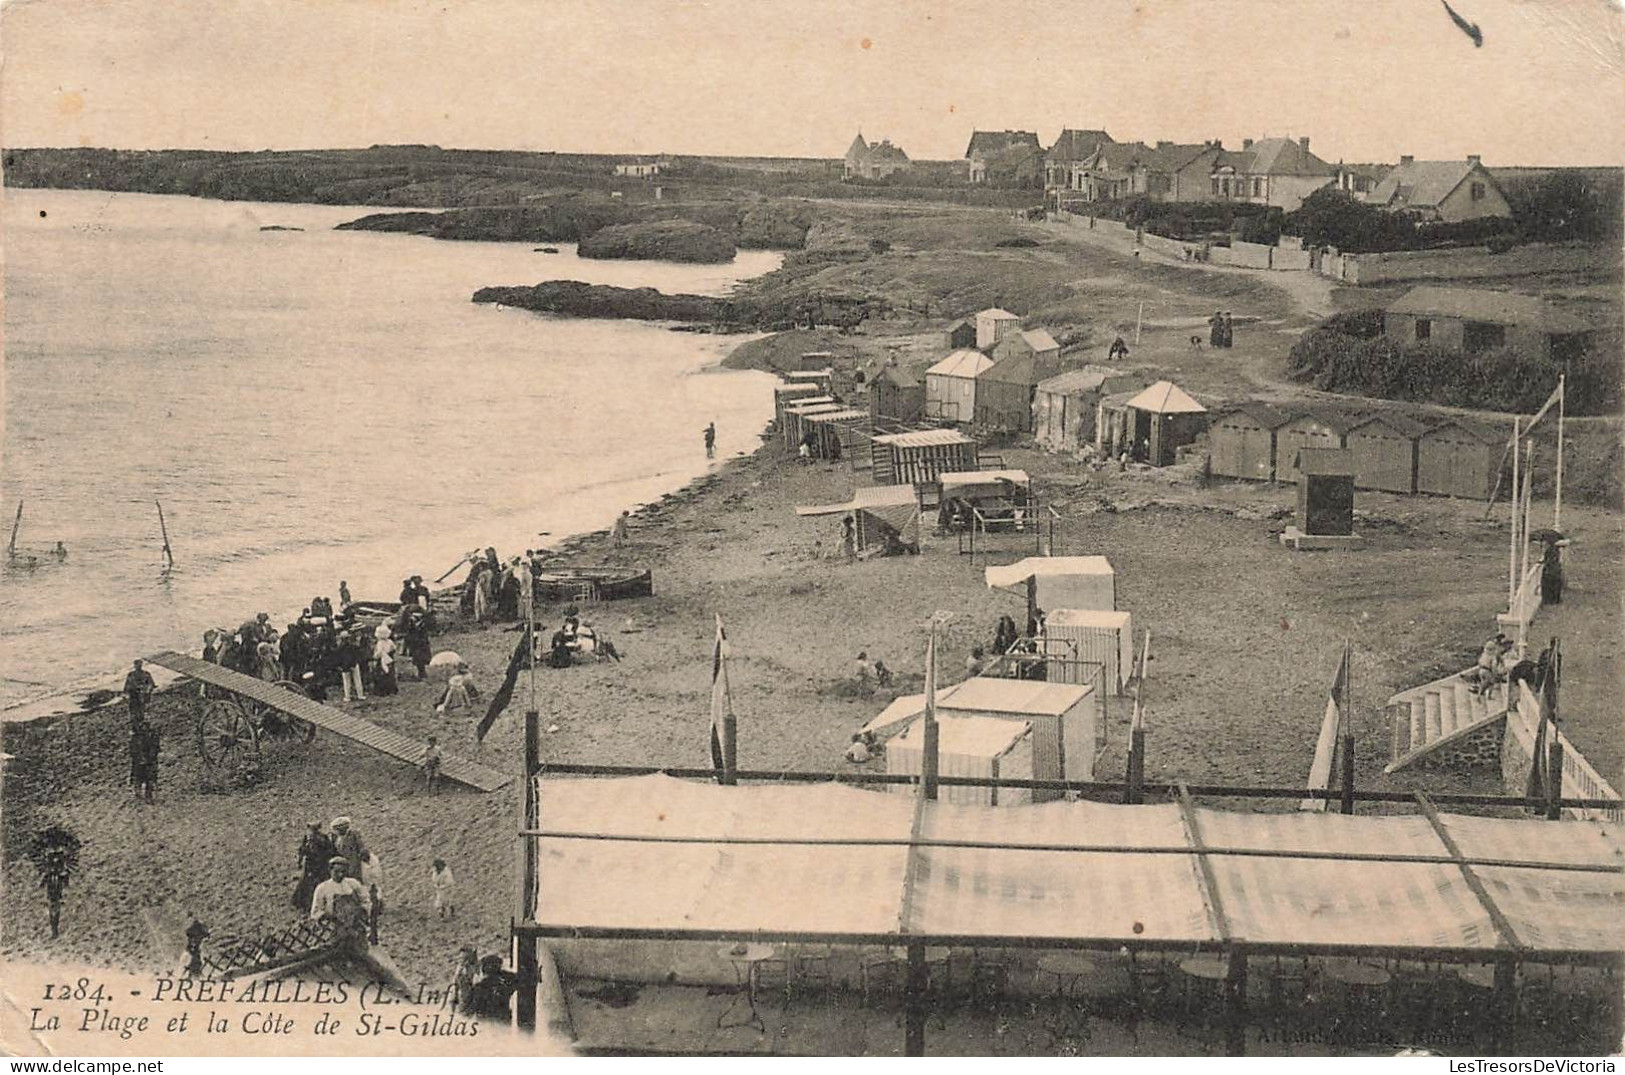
point(1065, 405)
point(1458, 458)
point(1306, 430)
point(960, 335)
point(1075, 582)
point(885, 517)
point(992, 325)
point(1325, 491)
point(984, 747)
point(1035, 342)
point(836, 434)
point(1114, 423)
point(789, 393)
point(1165, 419)
point(794, 428)
point(1004, 391)
point(921, 456)
point(896, 395)
point(1076, 639)
point(817, 361)
point(950, 386)
point(1383, 447)
point(823, 379)
point(1241, 441)
point(1002, 496)
point(1064, 719)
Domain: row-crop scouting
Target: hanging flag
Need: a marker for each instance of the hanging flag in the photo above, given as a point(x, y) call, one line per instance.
point(504, 694)
point(721, 701)
point(1551, 401)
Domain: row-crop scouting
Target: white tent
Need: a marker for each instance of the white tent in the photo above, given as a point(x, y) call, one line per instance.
point(1079, 582)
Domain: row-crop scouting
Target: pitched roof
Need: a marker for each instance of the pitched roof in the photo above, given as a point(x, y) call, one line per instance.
point(884, 151)
point(1424, 184)
point(859, 149)
point(1273, 156)
point(1165, 397)
point(1265, 414)
point(1075, 144)
point(896, 375)
point(962, 363)
point(1035, 338)
point(1404, 425)
point(1024, 367)
point(1124, 156)
point(1482, 431)
point(1494, 307)
point(986, 143)
point(1078, 381)
point(1369, 171)
point(997, 313)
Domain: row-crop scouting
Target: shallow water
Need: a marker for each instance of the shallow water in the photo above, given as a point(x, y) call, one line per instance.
point(310, 406)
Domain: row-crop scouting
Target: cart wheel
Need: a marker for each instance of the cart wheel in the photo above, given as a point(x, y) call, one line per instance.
point(226, 737)
point(303, 729)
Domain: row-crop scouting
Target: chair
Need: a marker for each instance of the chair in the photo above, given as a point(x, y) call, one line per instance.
point(1292, 994)
point(810, 970)
point(879, 973)
point(1148, 986)
point(989, 978)
point(770, 976)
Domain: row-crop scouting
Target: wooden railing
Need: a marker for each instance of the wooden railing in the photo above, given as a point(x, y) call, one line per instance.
point(1580, 778)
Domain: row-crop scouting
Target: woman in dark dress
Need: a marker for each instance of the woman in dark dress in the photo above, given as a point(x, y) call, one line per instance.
point(508, 597)
point(314, 851)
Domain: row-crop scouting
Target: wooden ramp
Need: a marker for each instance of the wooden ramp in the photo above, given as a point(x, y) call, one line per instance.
point(334, 720)
point(1426, 719)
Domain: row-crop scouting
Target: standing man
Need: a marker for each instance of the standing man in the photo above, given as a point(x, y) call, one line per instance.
point(711, 441)
point(618, 536)
point(347, 845)
point(138, 686)
point(341, 899)
point(1215, 329)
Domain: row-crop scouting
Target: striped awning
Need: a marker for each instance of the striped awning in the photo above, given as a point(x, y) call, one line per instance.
point(825, 859)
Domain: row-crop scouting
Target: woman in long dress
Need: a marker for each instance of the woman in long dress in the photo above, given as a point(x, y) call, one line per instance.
point(314, 851)
point(383, 657)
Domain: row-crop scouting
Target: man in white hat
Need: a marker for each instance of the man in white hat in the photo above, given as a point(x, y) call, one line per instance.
point(340, 898)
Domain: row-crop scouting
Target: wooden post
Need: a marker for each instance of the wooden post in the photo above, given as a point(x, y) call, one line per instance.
point(164, 530)
point(730, 749)
point(1504, 1016)
point(16, 524)
point(1557, 503)
point(1138, 317)
point(1554, 774)
point(1512, 547)
point(529, 810)
point(1133, 795)
point(1348, 730)
point(914, 989)
point(1235, 995)
point(928, 758)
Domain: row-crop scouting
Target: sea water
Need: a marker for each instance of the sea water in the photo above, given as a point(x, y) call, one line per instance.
point(309, 406)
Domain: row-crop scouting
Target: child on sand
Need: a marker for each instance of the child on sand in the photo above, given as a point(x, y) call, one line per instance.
point(445, 892)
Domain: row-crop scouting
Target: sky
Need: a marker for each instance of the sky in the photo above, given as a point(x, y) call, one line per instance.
point(1365, 80)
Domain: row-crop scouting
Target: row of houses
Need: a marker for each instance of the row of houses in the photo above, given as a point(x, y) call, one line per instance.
point(1390, 452)
point(1088, 165)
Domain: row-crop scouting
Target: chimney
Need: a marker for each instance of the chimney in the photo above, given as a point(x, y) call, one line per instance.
point(1246, 143)
point(1474, 158)
point(1407, 159)
point(1303, 144)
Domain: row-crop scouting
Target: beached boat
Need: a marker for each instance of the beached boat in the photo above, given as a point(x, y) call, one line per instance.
point(602, 583)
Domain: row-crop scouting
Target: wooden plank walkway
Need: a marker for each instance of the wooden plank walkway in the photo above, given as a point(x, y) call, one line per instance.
point(334, 720)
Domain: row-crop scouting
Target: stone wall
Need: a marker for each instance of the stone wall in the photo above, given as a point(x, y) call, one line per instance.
point(1480, 750)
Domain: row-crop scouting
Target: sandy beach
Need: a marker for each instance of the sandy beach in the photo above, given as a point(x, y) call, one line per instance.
point(1235, 691)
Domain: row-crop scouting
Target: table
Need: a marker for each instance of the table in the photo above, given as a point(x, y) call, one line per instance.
point(1069, 968)
point(745, 959)
point(1477, 975)
point(1206, 968)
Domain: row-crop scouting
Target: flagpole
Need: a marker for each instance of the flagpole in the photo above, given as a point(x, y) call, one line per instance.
point(1557, 506)
point(1523, 535)
point(928, 760)
point(1348, 727)
point(1512, 548)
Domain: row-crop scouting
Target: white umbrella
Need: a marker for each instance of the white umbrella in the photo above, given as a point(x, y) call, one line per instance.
point(445, 661)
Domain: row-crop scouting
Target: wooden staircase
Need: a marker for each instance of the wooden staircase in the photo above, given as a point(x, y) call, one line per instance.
point(1430, 717)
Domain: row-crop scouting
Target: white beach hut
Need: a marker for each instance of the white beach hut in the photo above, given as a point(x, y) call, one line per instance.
point(950, 386)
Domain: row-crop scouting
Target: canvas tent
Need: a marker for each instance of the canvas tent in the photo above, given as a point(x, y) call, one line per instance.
point(882, 514)
point(1165, 419)
point(1052, 582)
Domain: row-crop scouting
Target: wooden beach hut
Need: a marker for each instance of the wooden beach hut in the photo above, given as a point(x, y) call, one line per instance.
point(919, 457)
point(1114, 423)
point(1383, 447)
point(789, 393)
point(1065, 405)
point(985, 747)
point(817, 361)
point(1325, 491)
point(823, 379)
point(1075, 638)
point(959, 335)
point(950, 386)
point(896, 395)
point(1458, 458)
point(1308, 429)
point(837, 433)
point(992, 325)
point(1064, 717)
point(794, 428)
point(1004, 390)
point(1241, 440)
point(1165, 419)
